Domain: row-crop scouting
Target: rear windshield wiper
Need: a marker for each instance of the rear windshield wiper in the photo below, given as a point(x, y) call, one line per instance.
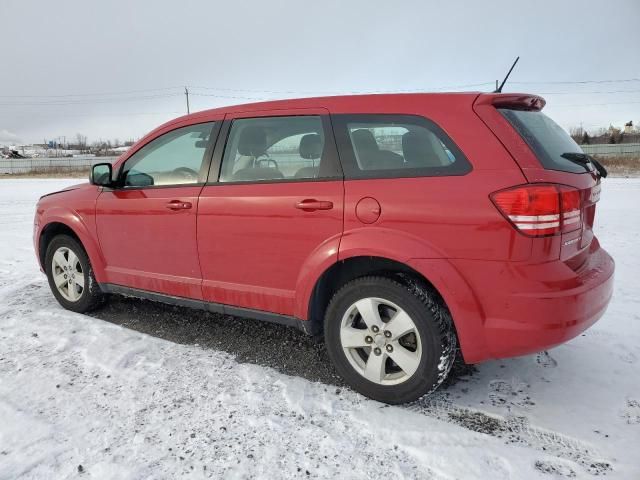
point(584, 160)
point(601, 170)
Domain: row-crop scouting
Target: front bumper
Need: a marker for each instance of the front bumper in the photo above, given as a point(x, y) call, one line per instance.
point(36, 242)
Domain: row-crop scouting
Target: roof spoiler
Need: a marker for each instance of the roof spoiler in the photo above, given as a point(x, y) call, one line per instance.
point(513, 101)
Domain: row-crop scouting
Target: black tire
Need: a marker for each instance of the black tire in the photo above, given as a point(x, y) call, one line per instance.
point(91, 296)
point(433, 324)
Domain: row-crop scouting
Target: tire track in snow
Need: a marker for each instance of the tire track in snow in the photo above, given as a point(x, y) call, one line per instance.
point(517, 430)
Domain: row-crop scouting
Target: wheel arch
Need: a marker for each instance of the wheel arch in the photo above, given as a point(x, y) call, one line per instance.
point(437, 275)
point(73, 226)
point(343, 271)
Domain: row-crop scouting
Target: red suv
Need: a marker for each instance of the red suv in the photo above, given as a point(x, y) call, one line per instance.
point(401, 226)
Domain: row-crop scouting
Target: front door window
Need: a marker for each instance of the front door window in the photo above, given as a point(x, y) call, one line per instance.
point(175, 158)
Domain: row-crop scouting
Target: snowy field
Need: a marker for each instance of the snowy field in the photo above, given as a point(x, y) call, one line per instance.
point(81, 397)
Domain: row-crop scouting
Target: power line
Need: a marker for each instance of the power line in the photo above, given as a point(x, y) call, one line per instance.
point(82, 99)
point(589, 92)
point(89, 102)
point(593, 104)
point(227, 96)
point(129, 92)
point(333, 92)
point(122, 114)
point(575, 82)
point(72, 96)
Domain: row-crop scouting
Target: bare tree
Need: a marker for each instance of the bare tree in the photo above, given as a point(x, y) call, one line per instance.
point(615, 135)
point(576, 133)
point(81, 141)
point(586, 139)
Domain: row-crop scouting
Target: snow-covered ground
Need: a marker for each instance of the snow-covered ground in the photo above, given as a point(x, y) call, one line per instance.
point(83, 397)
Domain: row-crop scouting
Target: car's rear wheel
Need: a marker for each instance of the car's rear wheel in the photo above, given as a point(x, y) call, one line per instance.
point(390, 340)
point(70, 275)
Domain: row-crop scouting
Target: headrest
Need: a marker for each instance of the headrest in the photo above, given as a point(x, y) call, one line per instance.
point(364, 141)
point(253, 141)
point(416, 147)
point(311, 146)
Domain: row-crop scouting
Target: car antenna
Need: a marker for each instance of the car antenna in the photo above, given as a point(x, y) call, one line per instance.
point(499, 89)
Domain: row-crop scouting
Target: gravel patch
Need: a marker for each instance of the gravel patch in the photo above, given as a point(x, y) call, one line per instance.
point(282, 348)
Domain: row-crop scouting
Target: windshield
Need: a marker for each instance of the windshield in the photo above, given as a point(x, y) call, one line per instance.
point(546, 138)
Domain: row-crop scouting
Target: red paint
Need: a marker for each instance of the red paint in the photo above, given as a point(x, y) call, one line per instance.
point(148, 243)
point(265, 245)
point(254, 242)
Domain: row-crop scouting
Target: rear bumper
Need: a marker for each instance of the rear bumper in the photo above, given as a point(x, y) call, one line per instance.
point(546, 318)
point(524, 309)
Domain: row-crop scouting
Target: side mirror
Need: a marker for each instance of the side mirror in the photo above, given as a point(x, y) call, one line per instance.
point(101, 175)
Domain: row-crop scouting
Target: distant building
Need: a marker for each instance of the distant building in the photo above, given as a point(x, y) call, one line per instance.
point(628, 127)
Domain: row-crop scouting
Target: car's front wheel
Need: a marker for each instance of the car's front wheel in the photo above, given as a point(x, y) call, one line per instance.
point(70, 275)
point(390, 340)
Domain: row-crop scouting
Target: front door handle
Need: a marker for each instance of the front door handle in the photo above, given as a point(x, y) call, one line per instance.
point(178, 205)
point(310, 204)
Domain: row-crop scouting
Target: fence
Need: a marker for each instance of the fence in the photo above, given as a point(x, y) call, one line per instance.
point(613, 150)
point(77, 164)
point(49, 165)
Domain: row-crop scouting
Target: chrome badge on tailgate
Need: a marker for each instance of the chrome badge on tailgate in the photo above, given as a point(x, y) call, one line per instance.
point(595, 193)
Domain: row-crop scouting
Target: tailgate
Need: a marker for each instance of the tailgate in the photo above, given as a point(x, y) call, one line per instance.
point(546, 154)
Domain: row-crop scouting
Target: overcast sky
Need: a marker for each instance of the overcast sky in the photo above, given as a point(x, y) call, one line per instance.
point(116, 69)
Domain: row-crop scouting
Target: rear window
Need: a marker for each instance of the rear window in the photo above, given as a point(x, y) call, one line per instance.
point(384, 146)
point(547, 139)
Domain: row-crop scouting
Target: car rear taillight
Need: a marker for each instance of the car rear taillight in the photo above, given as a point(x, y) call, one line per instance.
point(571, 209)
point(539, 210)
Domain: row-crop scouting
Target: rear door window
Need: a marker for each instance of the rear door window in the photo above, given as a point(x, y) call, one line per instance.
point(272, 149)
point(381, 146)
point(546, 138)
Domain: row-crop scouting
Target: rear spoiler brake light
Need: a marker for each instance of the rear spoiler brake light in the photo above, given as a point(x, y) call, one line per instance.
point(514, 101)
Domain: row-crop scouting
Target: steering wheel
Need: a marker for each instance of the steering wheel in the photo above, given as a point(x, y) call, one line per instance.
point(268, 160)
point(186, 173)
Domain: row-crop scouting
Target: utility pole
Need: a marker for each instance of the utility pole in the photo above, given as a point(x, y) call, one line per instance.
point(186, 93)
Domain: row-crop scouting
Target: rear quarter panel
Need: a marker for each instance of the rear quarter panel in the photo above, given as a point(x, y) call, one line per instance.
point(436, 217)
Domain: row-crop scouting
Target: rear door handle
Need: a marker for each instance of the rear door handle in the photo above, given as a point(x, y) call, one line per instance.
point(310, 204)
point(178, 205)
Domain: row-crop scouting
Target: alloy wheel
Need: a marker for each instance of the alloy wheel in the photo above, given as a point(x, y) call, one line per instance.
point(67, 274)
point(381, 341)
